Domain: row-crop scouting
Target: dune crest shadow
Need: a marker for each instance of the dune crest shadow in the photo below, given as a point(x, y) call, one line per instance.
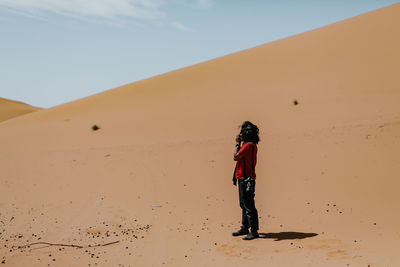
point(287, 235)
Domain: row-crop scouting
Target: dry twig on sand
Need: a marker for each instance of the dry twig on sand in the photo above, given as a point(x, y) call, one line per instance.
point(68, 245)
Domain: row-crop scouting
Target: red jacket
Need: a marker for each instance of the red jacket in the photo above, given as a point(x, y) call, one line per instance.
point(246, 161)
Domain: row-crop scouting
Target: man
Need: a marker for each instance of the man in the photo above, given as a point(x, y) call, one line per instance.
point(245, 156)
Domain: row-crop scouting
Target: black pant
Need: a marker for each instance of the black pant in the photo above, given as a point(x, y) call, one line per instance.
point(246, 199)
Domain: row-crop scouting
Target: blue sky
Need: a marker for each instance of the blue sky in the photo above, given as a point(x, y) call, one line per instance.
point(56, 51)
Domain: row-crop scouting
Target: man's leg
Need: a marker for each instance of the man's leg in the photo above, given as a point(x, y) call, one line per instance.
point(242, 199)
point(251, 212)
point(244, 229)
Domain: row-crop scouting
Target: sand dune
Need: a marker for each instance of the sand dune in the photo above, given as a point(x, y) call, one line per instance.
point(156, 177)
point(10, 109)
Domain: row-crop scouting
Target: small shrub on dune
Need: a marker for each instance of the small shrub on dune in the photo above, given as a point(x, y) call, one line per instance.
point(295, 102)
point(95, 127)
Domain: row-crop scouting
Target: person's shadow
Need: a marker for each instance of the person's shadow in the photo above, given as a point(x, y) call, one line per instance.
point(286, 235)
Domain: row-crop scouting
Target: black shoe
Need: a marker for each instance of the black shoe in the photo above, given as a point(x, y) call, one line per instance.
point(242, 231)
point(251, 236)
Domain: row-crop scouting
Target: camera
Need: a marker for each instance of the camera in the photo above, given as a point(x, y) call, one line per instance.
point(239, 138)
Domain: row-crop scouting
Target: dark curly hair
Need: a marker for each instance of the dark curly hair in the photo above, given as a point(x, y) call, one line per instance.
point(249, 132)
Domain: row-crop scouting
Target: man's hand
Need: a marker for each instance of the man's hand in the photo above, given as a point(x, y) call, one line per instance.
point(235, 152)
point(238, 139)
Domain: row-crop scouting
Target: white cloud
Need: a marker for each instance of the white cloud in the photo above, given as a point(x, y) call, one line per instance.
point(204, 3)
point(113, 12)
point(103, 9)
point(195, 3)
point(182, 27)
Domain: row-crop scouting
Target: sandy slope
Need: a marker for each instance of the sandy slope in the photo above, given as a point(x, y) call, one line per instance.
point(10, 109)
point(157, 175)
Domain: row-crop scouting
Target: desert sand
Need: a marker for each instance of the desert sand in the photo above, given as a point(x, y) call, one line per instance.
point(10, 109)
point(152, 186)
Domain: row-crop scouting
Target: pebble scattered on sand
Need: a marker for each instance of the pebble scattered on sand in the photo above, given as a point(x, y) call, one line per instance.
point(91, 238)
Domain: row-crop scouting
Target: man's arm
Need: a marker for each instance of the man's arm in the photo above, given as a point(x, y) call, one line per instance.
point(240, 152)
point(237, 146)
point(236, 151)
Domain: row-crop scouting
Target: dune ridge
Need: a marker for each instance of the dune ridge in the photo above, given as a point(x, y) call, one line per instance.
point(156, 175)
point(10, 109)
